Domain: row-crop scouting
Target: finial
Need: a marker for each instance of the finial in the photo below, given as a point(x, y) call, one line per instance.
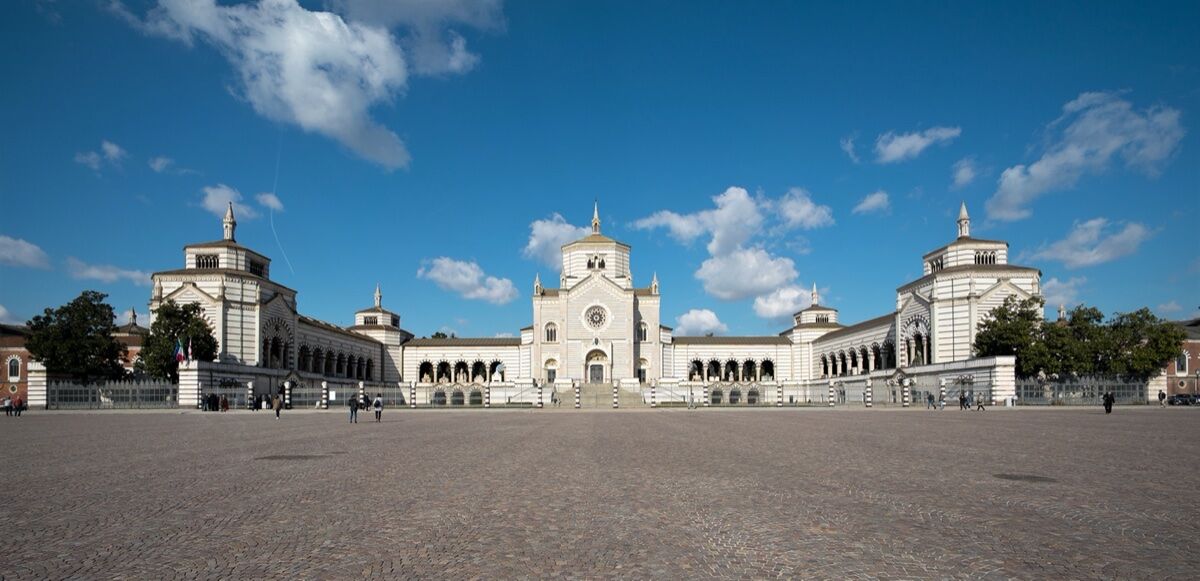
point(654, 283)
point(596, 217)
point(964, 221)
point(537, 283)
point(816, 298)
point(378, 297)
point(133, 316)
point(229, 223)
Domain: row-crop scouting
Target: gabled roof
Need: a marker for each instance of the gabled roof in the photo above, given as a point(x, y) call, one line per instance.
point(595, 239)
point(1192, 328)
point(229, 271)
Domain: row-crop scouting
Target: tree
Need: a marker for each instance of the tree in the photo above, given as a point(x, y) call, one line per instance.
point(173, 325)
point(1014, 328)
point(442, 335)
point(1142, 343)
point(76, 339)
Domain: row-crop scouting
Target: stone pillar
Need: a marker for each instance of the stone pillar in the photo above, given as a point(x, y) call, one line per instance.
point(870, 396)
point(778, 394)
point(706, 399)
point(575, 384)
point(287, 394)
point(361, 390)
point(324, 395)
point(412, 394)
point(616, 397)
point(832, 397)
point(539, 402)
point(904, 396)
point(941, 392)
point(250, 394)
point(653, 396)
point(487, 395)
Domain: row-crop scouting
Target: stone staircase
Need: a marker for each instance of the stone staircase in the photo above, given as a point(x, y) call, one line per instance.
point(599, 396)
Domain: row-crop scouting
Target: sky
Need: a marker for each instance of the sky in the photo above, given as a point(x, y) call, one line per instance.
point(745, 150)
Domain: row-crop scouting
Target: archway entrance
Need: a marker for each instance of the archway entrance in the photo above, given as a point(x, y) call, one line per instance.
point(594, 369)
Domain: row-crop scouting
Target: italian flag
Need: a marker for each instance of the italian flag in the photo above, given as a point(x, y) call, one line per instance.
point(178, 351)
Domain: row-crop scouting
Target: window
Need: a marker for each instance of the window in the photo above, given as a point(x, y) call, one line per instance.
point(551, 333)
point(14, 369)
point(258, 268)
point(395, 321)
point(1181, 365)
point(551, 375)
point(370, 320)
point(936, 264)
point(985, 257)
point(643, 332)
point(208, 261)
point(822, 318)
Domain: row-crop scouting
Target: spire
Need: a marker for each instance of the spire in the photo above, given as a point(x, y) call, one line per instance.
point(964, 222)
point(537, 284)
point(654, 283)
point(133, 316)
point(596, 218)
point(229, 223)
point(378, 297)
point(816, 298)
point(1062, 312)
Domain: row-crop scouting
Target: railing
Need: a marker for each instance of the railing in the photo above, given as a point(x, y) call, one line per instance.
point(112, 395)
point(1082, 391)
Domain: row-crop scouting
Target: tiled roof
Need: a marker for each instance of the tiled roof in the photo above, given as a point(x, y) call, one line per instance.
point(334, 328)
point(466, 342)
point(716, 340)
point(877, 321)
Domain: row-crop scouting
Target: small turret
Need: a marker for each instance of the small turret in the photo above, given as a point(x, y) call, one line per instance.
point(537, 284)
point(378, 297)
point(964, 222)
point(654, 284)
point(596, 218)
point(229, 224)
point(816, 298)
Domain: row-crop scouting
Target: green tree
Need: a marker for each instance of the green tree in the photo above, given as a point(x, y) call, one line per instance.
point(76, 339)
point(1014, 328)
point(1141, 344)
point(176, 324)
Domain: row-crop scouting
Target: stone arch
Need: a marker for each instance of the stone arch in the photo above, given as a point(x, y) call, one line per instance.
point(752, 396)
point(476, 397)
point(439, 397)
point(750, 370)
point(715, 396)
point(730, 373)
point(425, 372)
point(713, 372)
point(444, 372)
point(478, 372)
point(696, 370)
point(768, 370)
point(457, 398)
point(496, 368)
point(735, 396)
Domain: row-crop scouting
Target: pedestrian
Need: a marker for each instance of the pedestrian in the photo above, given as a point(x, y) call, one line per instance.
point(942, 402)
point(979, 405)
point(1162, 398)
point(929, 401)
point(278, 405)
point(1109, 399)
point(8, 406)
point(962, 400)
point(352, 403)
point(224, 403)
point(18, 406)
point(378, 407)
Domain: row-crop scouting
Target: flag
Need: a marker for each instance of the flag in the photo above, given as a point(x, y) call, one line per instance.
point(189, 355)
point(178, 351)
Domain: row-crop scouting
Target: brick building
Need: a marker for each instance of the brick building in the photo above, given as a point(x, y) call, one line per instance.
point(1183, 374)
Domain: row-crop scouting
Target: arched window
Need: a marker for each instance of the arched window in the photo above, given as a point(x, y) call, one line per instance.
point(551, 333)
point(1181, 364)
point(14, 369)
point(643, 332)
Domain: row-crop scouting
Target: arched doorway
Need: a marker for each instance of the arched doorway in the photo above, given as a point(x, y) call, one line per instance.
point(715, 396)
point(439, 397)
point(596, 368)
point(752, 397)
point(476, 397)
point(735, 396)
point(456, 398)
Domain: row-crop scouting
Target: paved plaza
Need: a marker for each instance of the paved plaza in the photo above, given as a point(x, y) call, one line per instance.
point(665, 494)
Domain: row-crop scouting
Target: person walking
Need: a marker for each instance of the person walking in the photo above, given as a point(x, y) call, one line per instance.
point(1109, 399)
point(962, 400)
point(929, 401)
point(352, 403)
point(979, 405)
point(18, 406)
point(278, 405)
point(378, 404)
point(8, 406)
point(1162, 399)
point(224, 403)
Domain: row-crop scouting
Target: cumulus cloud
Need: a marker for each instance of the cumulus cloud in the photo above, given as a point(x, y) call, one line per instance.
point(1094, 129)
point(964, 172)
point(433, 47)
point(546, 238)
point(734, 220)
point(1169, 308)
point(18, 252)
point(468, 280)
point(6, 317)
point(1094, 242)
point(798, 210)
point(105, 273)
point(745, 273)
point(847, 144)
point(893, 147)
point(876, 202)
point(109, 154)
point(269, 200)
point(161, 163)
point(1057, 292)
point(217, 198)
point(698, 322)
point(782, 303)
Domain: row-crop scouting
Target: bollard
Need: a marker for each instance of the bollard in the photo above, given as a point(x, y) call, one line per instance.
point(904, 395)
point(616, 397)
point(870, 397)
point(706, 400)
point(653, 397)
point(324, 395)
point(250, 394)
point(575, 384)
point(831, 396)
point(412, 395)
point(287, 395)
point(487, 396)
point(941, 394)
point(539, 396)
point(779, 395)
point(361, 391)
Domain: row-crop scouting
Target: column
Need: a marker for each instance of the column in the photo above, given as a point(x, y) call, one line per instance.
point(616, 397)
point(870, 396)
point(941, 392)
point(487, 395)
point(412, 394)
point(324, 395)
point(287, 395)
point(653, 396)
point(539, 402)
point(250, 394)
point(575, 384)
point(779, 394)
point(904, 394)
point(706, 400)
point(832, 398)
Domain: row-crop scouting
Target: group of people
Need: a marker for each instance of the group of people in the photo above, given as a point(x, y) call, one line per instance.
point(965, 402)
point(13, 406)
point(214, 403)
point(363, 402)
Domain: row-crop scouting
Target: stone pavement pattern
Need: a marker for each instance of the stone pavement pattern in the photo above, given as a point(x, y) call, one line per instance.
point(668, 494)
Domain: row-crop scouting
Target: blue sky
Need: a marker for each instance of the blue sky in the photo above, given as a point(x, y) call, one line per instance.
point(745, 150)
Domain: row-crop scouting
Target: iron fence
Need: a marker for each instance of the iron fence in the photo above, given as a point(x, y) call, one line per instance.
point(112, 395)
point(1082, 391)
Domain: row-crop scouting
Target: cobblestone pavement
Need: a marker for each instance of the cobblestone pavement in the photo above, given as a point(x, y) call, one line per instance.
point(666, 494)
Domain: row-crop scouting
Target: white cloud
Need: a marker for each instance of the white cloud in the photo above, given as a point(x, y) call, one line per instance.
point(546, 238)
point(1093, 242)
point(892, 147)
point(161, 163)
point(217, 198)
point(269, 200)
point(735, 219)
point(90, 159)
point(503, 335)
point(1057, 292)
point(798, 210)
point(745, 273)
point(105, 273)
point(432, 51)
point(468, 280)
point(698, 322)
point(1169, 307)
point(964, 172)
point(1096, 127)
point(308, 68)
point(847, 144)
point(876, 202)
point(126, 316)
point(17, 252)
point(6, 317)
point(782, 303)
point(112, 152)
